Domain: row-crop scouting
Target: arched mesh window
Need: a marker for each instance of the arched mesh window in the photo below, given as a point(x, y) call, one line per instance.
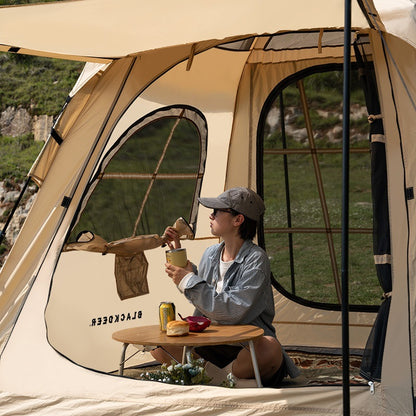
point(150, 177)
point(301, 148)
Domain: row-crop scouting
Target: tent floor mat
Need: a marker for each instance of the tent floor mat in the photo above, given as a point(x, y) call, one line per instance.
point(316, 369)
point(322, 369)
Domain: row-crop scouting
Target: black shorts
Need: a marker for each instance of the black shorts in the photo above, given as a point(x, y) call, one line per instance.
point(222, 355)
point(278, 376)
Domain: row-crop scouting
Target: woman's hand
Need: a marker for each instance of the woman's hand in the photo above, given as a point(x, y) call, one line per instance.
point(177, 273)
point(172, 235)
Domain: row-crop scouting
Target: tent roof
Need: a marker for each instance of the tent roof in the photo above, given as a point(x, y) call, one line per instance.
point(398, 17)
point(96, 29)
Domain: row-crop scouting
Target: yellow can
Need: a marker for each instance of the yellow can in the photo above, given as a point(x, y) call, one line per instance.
point(166, 314)
point(177, 257)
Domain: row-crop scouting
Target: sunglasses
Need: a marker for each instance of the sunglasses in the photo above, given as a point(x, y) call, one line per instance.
point(217, 210)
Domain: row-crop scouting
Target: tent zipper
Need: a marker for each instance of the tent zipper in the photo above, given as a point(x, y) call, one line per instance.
point(372, 387)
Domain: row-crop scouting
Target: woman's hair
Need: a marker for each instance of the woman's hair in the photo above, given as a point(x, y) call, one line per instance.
point(248, 228)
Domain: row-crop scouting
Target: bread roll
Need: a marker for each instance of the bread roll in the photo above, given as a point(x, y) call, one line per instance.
point(177, 328)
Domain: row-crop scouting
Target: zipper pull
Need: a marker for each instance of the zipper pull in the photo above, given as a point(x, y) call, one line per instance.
point(372, 387)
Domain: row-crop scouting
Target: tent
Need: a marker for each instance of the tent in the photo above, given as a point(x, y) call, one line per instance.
point(184, 100)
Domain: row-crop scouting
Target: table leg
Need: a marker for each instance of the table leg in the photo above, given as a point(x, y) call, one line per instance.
point(186, 354)
point(255, 365)
point(122, 359)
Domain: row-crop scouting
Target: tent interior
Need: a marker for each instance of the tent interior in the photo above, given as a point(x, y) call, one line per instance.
point(155, 168)
point(142, 137)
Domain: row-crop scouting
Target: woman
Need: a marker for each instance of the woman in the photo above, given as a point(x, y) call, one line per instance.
point(232, 286)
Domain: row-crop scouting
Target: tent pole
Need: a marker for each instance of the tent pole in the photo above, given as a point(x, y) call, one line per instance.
point(345, 208)
point(288, 209)
point(16, 204)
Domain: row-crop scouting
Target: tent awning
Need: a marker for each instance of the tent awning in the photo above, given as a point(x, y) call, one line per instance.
point(98, 30)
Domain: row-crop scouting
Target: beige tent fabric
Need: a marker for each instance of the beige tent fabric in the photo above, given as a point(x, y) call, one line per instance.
point(402, 219)
point(154, 399)
point(64, 123)
point(301, 325)
point(406, 111)
point(97, 29)
point(397, 18)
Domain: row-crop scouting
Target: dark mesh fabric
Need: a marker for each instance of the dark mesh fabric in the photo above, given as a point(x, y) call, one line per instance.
point(373, 355)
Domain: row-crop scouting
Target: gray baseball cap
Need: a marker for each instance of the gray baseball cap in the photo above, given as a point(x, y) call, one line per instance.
point(243, 200)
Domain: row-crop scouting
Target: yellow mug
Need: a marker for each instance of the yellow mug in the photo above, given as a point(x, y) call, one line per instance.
point(177, 257)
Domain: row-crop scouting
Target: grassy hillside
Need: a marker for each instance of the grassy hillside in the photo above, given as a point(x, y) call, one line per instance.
point(18, 155)
point(40, 85)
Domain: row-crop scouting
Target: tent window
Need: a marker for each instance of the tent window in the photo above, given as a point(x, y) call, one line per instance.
point(150, 177)
point(312, 39)
point(302, 177)
point(239, 45)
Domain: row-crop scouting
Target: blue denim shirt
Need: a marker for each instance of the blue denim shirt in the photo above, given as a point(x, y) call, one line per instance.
point(246, 297)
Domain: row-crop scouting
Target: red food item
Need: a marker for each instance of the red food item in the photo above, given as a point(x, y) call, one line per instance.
point(196, 323)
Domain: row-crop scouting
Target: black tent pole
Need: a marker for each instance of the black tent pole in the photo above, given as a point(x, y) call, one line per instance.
point(16, 204)
point(288, 210)
point(345, 209)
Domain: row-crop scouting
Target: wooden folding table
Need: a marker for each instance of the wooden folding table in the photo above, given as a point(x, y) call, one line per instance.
point(213, 335)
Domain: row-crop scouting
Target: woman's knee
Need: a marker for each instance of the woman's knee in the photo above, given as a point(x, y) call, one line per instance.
point(167, 355)
point(269, 359)
point(268, 351)
point(157, 354)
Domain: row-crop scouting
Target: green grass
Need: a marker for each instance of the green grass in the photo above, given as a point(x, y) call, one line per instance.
point(39, 84)
point(18, 155)
point(314, 276)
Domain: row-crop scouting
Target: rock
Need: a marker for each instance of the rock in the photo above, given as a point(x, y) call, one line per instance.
point(11, 196)
point(358, 111)
point(358, 137)
point(273, 118)
point(41, 127)
point(335, 134)
point(15, 122)
point(291, 114)
point(299, 135)
point(323, 113)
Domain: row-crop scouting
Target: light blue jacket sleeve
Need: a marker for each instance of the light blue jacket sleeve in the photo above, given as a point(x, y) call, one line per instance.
point(246, 291)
